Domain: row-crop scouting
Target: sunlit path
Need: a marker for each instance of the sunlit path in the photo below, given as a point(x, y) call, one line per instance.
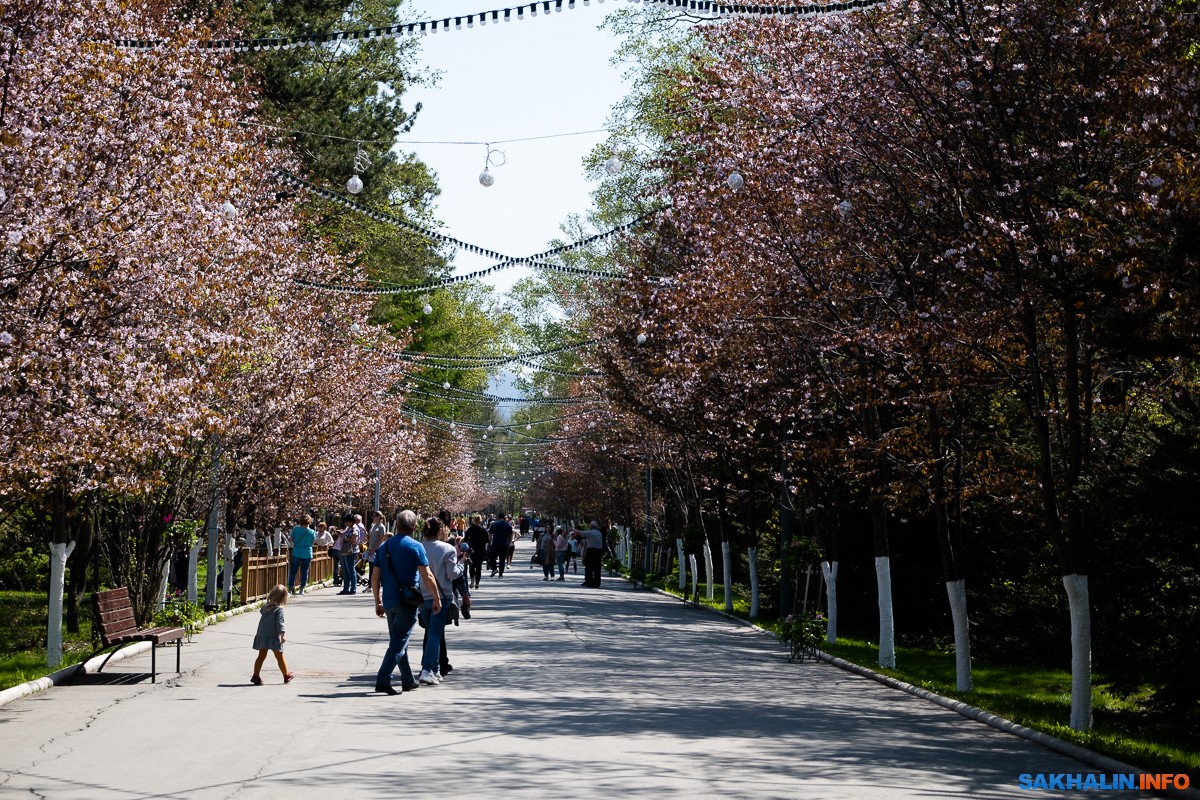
point(558, 691)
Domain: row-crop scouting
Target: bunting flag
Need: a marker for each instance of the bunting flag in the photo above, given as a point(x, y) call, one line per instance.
point(475, 426)
point(492, 399)
point(708, 8)
point(505, 262)
point(513, 427)
point(497, 361)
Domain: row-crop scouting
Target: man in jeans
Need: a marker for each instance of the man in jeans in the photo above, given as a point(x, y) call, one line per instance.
point(399, 562)
point(435, 611)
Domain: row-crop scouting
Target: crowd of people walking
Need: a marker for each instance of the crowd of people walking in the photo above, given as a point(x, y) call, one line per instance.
point(421, 572)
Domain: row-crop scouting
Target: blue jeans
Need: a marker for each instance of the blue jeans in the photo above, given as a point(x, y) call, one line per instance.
point(560, 558)
point(349, 576)
point(435, 630)
point(400, 622)
point(300, 564)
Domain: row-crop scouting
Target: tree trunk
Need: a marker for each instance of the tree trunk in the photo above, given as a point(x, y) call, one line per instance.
point(957, 592)
point(77, 581)
point(727, 570)
point(883, 580)
point(682, 565)
point(950, 546)
point(59, 553)
point(1081, 651)
point(752, 555)
point(708, 568)
point(830, 570)
point(193, 592)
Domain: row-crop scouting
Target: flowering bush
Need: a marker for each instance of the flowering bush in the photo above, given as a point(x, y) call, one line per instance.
point(802, 634)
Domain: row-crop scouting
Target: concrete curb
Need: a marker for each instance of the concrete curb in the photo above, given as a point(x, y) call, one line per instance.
point(1052, 743)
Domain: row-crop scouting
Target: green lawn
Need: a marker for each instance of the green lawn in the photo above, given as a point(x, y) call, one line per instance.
point(23, 638)
point(1125, 727)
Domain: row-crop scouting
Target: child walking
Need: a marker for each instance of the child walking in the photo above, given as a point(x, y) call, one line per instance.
point(270, 634)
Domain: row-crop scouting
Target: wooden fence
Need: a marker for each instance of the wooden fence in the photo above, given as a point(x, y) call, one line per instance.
point(261, 573)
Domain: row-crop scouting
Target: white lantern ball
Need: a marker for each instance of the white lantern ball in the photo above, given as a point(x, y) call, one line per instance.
point(229, 210)
point(735, 181)
point(354, 185)
point(612, 166)
point(446, 385)
point(486, 178)
point(427, 309)
point(641, 338)
point(354, 328)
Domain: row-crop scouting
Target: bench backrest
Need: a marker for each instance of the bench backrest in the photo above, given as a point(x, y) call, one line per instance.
point(114, 611)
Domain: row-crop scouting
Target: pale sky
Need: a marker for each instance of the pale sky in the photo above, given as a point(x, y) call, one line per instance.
point(545, 75)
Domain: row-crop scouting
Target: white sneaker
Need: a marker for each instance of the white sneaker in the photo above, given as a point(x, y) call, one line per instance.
point(437, 676)
point(427, 678)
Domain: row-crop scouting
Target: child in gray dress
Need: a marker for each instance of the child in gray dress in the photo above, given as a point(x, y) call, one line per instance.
point(271, 634)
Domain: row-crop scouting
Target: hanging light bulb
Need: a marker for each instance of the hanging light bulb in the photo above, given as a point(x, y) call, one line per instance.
point(545, 392)
point(566, 427)
point(446, 385)
point(735, 181)
point(844, 208)
point(490, 427)
point(528, 428)
point(354, 328)
point(229, 210)
point(613, 165)
point(427, 309)
point(486, 178)
point(641, 338)
point(361, 163)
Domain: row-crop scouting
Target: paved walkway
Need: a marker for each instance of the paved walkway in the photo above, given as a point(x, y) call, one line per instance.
point(558, 691)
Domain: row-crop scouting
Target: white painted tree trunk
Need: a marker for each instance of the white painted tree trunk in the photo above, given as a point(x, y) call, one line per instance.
point(727, 572)
point(708, 570)
point(695, 578)
point(628, 552)
point(1081, 651)
point(193, 593)
point(59, 553)
point(230, 552)
point(957, 592)
point(887, 629)
point(752, 554)
point(829, 570)
point(682, 566)
point(164, 579)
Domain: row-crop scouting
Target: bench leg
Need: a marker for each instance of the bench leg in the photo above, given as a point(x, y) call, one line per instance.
point(153, 665)
point(178, 650)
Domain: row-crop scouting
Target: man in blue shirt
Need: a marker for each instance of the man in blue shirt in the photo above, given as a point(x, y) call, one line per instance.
point(400, 562)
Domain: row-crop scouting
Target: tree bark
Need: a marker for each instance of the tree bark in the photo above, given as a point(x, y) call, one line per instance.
point(59, 553)
point(829, 570)
point(752, 555)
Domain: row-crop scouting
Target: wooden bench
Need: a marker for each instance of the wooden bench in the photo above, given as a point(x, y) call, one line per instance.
point(114, 620)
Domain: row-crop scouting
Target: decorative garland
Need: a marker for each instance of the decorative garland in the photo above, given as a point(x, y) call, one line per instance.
point(505, 262)
point(495, 361)
point(492, 399)
point(475, 426)
point(562, 373)
point(429, 27)
point(510, 427)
